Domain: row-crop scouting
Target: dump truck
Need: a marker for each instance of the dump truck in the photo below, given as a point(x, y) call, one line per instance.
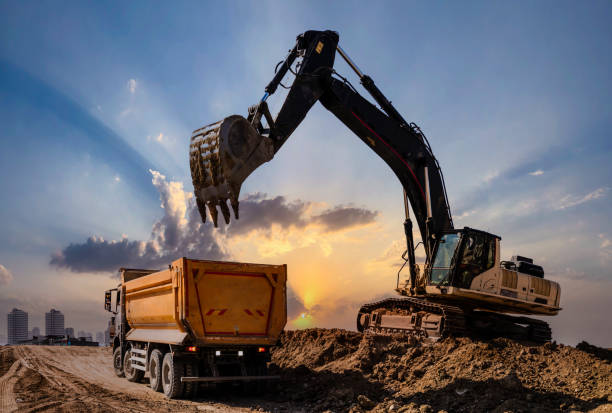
point(198, 322)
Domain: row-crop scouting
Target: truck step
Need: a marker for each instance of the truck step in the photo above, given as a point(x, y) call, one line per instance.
point(139, 351)
point(139, 363)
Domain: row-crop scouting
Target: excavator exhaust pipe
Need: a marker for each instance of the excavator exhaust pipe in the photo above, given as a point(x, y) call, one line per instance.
point(221, 156)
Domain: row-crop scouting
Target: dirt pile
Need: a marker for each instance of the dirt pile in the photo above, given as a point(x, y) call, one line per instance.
point(339, 370)
point(333, 370)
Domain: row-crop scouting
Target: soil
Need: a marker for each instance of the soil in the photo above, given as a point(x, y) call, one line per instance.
point(334, 371)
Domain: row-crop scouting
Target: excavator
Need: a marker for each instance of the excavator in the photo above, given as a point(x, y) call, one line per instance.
point(463, 288)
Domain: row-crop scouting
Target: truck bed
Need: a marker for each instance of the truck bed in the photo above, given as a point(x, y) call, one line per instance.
point(207, 303)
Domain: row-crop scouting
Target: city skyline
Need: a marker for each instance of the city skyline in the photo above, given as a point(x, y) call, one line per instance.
point(25, 333)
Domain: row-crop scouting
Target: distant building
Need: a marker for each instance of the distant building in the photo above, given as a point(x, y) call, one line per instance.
point(70, 332)
point(17, 329)
point(54, 323)
point(85, 335)
point(36, 332)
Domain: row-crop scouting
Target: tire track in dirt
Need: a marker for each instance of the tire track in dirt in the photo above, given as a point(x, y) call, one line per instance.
point(69, 387)
point(81, 379)
point(7, 382)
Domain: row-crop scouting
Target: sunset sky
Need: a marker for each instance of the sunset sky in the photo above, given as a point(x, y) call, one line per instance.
point(98, 101)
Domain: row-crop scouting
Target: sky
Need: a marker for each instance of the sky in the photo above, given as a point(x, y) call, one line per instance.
point(98, 101)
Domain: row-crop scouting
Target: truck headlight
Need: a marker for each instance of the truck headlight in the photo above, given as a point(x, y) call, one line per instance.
point(240, 353)
point(217, 353)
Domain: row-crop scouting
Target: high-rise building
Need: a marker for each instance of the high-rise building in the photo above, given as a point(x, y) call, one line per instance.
point(17, 326)
point(36, 332)
point(54, 323)
point(70, 332)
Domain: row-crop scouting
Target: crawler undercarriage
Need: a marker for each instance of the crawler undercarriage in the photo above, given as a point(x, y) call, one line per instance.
point(432, 320)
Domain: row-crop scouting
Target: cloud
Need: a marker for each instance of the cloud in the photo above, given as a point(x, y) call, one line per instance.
point(278, 225)
point(605, 242)
point(537, 173)
point(466, 214)
point(340, 218)
point(131, 85)
point(569, 201)
point(260, 213)
point(295, 305)
point(159, 138)
point(605, 249)
point(6, 276)
point(178, 233)
point(490, 176)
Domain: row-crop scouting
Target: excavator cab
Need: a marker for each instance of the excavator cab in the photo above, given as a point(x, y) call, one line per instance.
point(462, 255)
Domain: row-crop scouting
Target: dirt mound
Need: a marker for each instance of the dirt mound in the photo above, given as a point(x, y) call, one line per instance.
point(339, 370)
point(333, 370)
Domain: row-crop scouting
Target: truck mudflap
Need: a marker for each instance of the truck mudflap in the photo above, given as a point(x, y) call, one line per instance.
point(221, 379)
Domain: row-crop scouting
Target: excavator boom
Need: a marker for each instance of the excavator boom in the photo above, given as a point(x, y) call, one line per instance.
point(224, 154)
point(465, 287)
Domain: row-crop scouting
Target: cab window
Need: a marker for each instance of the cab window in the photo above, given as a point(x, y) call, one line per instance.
point(444, 259)
point(478, 255)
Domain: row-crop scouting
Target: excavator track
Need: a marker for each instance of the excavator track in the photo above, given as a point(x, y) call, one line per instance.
point(426, 319)
point(488, 324)
point(412, 316)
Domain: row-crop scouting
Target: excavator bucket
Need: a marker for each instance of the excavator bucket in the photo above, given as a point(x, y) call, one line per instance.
point(222, 155)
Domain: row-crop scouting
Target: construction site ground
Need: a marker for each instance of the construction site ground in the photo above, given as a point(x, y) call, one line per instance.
point(337, 371)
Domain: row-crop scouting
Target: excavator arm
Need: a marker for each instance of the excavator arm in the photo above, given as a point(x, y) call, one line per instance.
point(223, 154)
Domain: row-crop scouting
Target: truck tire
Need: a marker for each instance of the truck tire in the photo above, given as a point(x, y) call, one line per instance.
point(117, 364)
point(155, 370)
point(132, 374)
point(172, 371)
point(191, 370)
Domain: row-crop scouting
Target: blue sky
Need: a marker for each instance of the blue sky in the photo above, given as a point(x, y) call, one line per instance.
point(514, 97)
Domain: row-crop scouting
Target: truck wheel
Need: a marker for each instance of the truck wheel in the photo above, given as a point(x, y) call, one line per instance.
point(132, 374)
point(172, 370)
point(117, 365)
point(155, 370)
point(191, 388)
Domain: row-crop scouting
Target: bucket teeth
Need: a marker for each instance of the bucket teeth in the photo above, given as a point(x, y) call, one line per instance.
point(212, 208)
point(234, 203)
point(225, 210)
point(201, 208)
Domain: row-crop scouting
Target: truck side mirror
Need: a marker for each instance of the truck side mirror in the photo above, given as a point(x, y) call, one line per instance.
point(107, 301)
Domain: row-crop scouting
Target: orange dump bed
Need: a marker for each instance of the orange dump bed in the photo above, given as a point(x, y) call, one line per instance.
point(207, 303)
